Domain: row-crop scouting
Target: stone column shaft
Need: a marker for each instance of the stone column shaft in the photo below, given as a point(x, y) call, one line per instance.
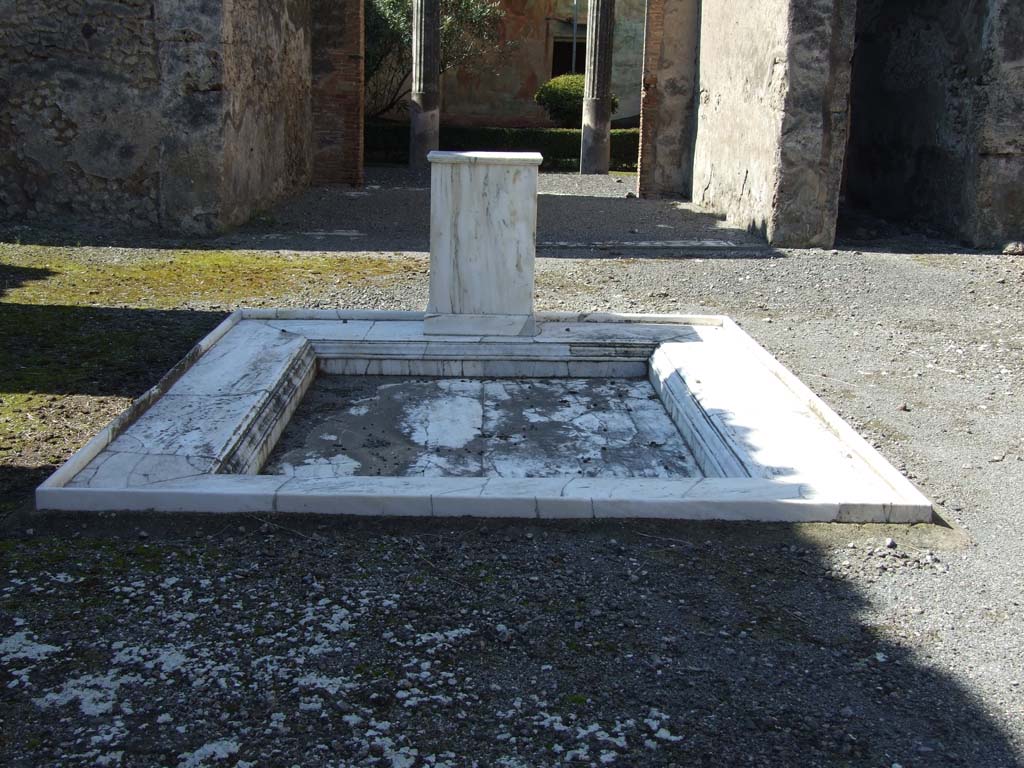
point(595, 149)
point(424, 107)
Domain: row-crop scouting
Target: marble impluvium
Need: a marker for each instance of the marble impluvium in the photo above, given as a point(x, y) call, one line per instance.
point(486, 408)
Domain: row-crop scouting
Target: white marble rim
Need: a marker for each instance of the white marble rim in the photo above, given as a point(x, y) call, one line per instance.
point(739, 498)
point(543, 498)
point(77, 462)
point(485, 158)
point(900, 485)
point(108, 434)
point(290, 313)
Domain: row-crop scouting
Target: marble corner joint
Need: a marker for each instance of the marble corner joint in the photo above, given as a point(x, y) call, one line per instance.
point(483, 227)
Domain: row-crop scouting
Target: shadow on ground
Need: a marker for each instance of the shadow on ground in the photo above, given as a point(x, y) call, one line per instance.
point(65, 371)
point(395, 216)
point(102, 351)
point(12, 277)
point(583, 217)
point(684, 644)
point(861, 230)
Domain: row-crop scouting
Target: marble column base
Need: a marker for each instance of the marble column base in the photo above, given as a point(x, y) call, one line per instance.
point(478, 325)
point(595, 145)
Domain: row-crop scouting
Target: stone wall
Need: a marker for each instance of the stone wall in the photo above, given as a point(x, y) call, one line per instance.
point(999, 185)
point(338, 91)
point(816, 123)
point(913, 118)
point(267, 83)
point(80, 110)
point(668, 108)
point(150, 112)
point(742, 86)
point(772, 115)
point(937, 105)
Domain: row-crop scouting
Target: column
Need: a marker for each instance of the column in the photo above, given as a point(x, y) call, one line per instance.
point(483, 230)
point(595, 149)
point(424, 106)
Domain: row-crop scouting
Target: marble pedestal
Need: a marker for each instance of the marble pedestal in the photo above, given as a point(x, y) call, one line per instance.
point(483, 226)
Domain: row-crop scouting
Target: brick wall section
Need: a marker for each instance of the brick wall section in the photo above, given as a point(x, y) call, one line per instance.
point(650, 101)
point(667, 111)
point(338, 92)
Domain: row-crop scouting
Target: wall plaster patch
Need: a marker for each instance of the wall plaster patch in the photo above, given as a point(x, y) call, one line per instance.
point(763, 446)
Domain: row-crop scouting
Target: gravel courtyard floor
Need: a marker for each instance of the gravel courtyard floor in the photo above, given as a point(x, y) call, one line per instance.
point(264, 641)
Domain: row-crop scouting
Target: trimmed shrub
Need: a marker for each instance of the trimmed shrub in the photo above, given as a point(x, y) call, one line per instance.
point(388, 142)
point(562, 99)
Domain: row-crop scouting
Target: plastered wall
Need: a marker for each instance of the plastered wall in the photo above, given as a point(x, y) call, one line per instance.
point(772, 114)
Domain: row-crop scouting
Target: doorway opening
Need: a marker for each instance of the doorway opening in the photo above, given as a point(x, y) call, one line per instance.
point(912, 117)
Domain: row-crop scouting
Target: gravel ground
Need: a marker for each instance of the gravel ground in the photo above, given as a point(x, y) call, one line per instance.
point(183, 641)
point(571, 208)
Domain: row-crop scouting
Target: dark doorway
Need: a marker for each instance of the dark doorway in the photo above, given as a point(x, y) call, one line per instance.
point(912, 114)
point(562, 52)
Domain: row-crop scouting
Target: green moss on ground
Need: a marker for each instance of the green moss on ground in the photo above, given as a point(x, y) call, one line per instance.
point(167, 279)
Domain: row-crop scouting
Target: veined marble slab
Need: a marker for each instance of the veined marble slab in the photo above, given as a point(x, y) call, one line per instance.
point(483, 227)
point(484, 325)
point(766, 446)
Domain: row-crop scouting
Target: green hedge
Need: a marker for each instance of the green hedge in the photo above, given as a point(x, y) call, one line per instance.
point(388, 142)
point(562, 99)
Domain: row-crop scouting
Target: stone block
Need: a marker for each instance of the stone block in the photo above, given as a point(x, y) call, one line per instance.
point(774, 81)
point(483, 226)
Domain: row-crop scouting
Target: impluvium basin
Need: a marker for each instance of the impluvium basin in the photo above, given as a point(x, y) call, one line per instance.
point(594, 416)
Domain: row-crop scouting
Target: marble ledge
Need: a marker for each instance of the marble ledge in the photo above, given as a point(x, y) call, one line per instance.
point(484, 368)
point(251, 357)
point(324, 330)
point(485, 158)
point(584, 498)
point(457, 324)
point(297, 313)
point(548, 332)
point(389, 315)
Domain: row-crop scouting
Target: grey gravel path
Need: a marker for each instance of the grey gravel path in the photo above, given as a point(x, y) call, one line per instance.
point(393, 213)
point(331, 642)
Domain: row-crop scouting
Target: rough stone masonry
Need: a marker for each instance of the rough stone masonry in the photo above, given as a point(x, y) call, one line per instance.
point(776, 114)
point(185, 114)
point(748, 109)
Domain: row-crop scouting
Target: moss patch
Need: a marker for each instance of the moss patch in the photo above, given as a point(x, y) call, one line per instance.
point(168, 279)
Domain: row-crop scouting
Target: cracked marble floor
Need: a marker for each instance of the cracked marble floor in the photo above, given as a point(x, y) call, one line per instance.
point(466, 427)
